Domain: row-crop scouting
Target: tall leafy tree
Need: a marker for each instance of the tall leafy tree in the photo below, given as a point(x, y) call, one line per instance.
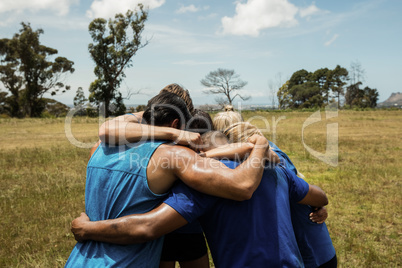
point(3, 103)
point(321, 79)
point(10, 76)
point(224, 82)
point(370, 97)
point(115, 42)
point(364, 98)
point(284, 97)
point(25, 61)
point(337, 81)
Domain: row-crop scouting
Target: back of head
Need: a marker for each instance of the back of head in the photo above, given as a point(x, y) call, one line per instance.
point(201, 122)
point(213, 139)
point(224, 119)
point(164, 108)
point(182, 93)
point(228, 108)
point(240, 132)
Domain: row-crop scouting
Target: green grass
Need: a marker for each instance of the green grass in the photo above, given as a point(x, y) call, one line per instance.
point(42, 182)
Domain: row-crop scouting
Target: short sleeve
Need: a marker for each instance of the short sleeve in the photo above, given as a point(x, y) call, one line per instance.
point(189, 203)
point(284, 158)
point(298, 188)
point(136, 117)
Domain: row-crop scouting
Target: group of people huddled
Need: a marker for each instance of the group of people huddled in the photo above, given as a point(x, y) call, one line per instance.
point(164, 183)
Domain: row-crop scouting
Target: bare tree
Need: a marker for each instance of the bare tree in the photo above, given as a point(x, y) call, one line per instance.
point(356, 72)
point(224, 81)
point(274, 87)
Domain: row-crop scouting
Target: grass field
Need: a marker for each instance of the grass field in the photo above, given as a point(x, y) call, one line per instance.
point(42, 181)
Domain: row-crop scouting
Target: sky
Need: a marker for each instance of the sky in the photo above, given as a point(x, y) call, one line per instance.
point(264, 41)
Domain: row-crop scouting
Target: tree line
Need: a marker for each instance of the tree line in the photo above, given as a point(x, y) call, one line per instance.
point(316, 89)
point(29, 69)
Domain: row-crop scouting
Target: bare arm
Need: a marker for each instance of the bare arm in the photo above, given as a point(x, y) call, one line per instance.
point(93, 149)
point(136, 228)
point(231, 151)
point(315, 197)
point(213, 177)
point(120, 131)
point(238, 151)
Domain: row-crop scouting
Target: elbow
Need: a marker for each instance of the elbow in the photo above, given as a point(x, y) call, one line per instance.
point(325, 200)
point(245, 196)
point(245, 192)
point(142, 234)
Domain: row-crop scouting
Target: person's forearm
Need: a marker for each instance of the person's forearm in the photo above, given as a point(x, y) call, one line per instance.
point(251, 170)
point(234, 151)
point(238, 151)
point(125, 230)
point(136, 228)
point(122, 132)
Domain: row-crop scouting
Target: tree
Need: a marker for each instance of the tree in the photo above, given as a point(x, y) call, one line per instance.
point(370, 97)
point(3, 103)
point(226, 82)
point(26, 62)
point(305, 89)
point(356, 72)
point(284, 97)
point(114, 44)
point(274, 87)
point(79, 102)
point(320, 77)
point(9, 76)
point(337, 81)
point(363, 98)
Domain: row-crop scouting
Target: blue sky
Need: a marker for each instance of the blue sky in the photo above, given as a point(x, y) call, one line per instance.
point(265, 41)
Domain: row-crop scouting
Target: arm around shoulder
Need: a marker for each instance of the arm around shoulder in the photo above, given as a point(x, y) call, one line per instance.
point(136, 228)
point(315, 197)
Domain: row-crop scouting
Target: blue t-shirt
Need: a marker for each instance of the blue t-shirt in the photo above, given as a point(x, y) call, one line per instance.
point(116, 186)
point(313, 239)
point(249, 233)
point(285, 160)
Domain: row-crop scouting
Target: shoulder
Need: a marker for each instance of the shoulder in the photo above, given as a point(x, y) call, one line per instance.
point(174, 152)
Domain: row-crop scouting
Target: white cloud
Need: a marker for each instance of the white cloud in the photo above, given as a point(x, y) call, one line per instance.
point(309, 11)
point(61, 7)
point(190, 8)
point(329, 42)
point(108, 8)
point(256, 15)
point(185, 9)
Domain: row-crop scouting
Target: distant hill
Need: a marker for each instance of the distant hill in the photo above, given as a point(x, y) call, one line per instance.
point(394, 101)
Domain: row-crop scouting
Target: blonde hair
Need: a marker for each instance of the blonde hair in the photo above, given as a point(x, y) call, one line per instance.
point(241, 131)
point(213, 139)
point(182, 93)
point(229, 108)
point(224, 119)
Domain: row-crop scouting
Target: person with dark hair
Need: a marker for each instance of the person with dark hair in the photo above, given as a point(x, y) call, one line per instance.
point(166, 107)
point(182, 93)
point(134, 178)
point(201, 122)
point(253, 233)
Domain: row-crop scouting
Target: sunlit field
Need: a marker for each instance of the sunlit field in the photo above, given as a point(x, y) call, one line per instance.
point(42, 181)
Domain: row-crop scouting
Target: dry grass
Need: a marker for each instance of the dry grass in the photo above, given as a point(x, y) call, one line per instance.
point(42, 181)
